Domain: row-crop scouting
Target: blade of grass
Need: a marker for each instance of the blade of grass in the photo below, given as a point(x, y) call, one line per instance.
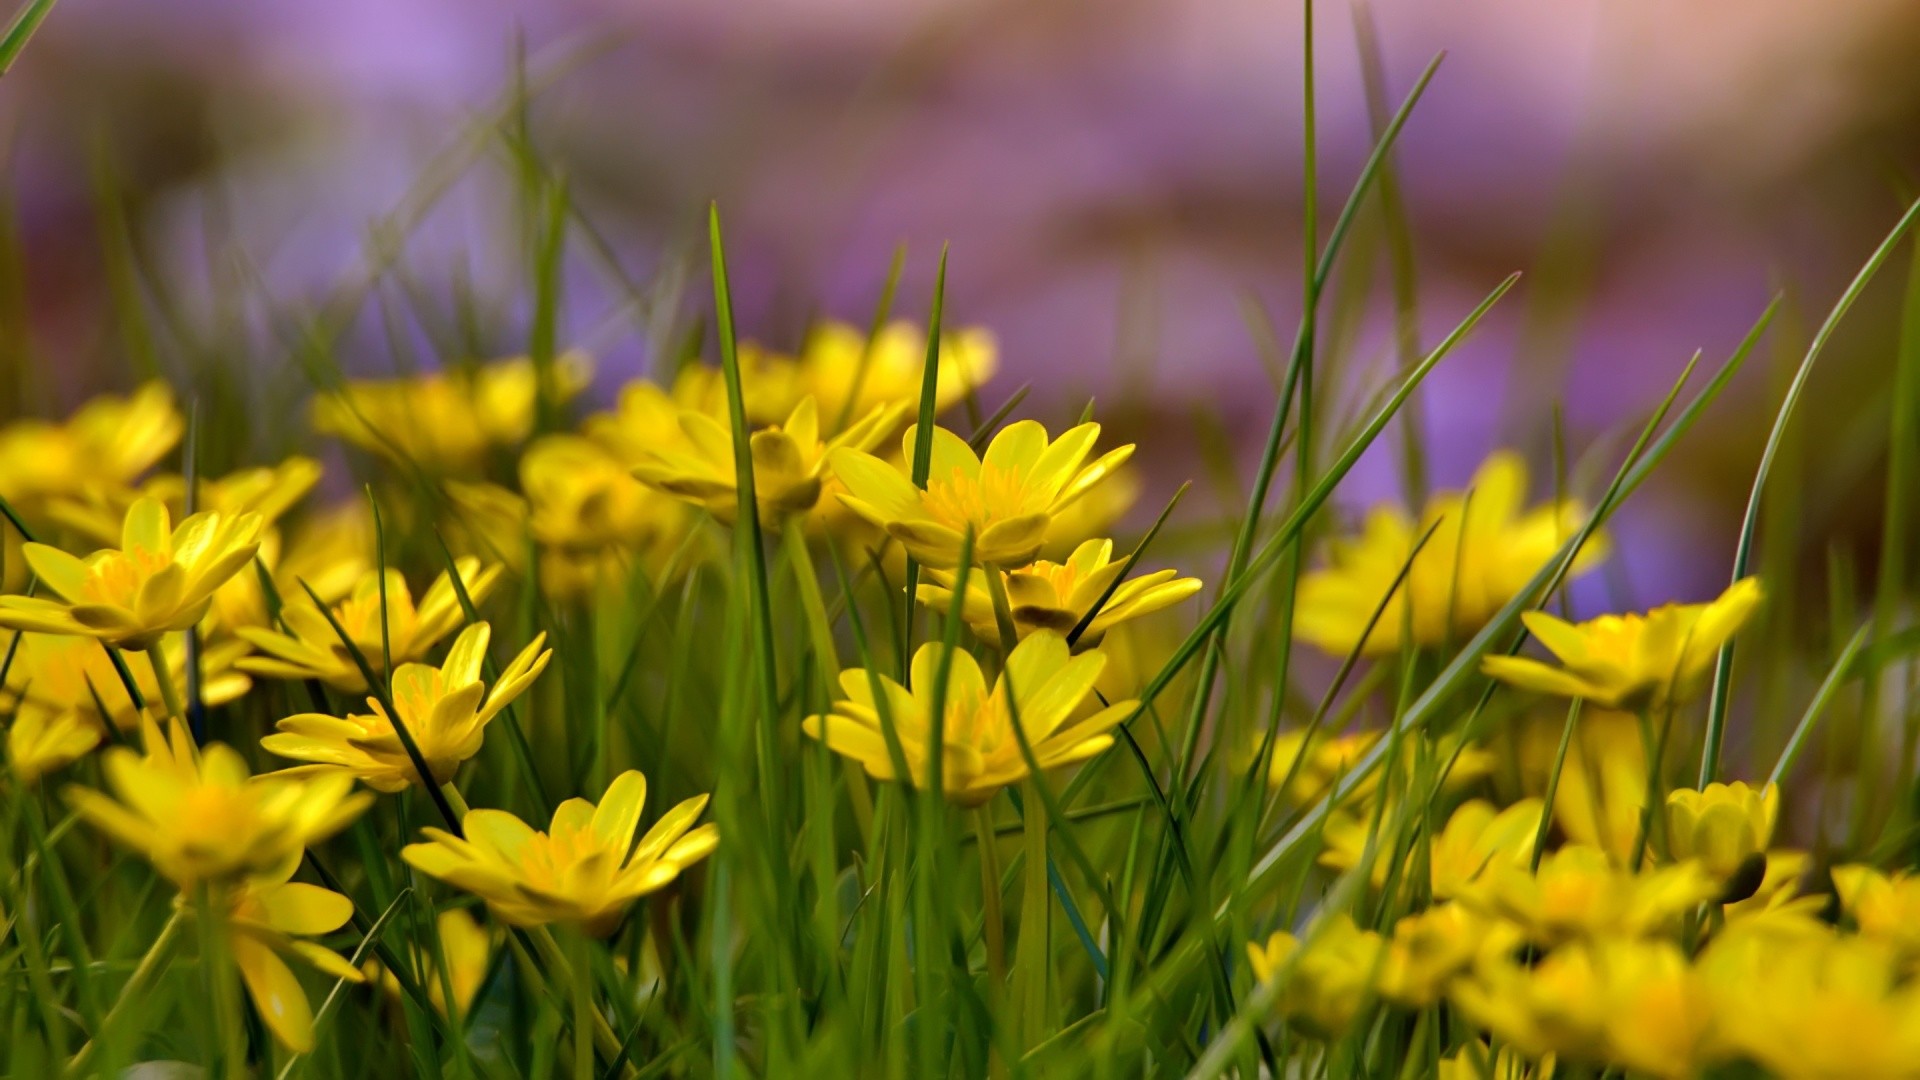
point(21, 31)
point(1722, 691)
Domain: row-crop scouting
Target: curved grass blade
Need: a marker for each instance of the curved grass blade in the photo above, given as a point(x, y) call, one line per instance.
point(1722, 691)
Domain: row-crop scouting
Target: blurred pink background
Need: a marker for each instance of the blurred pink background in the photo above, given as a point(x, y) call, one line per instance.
point(1114, 177)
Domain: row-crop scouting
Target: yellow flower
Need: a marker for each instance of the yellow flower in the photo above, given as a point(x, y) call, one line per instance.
point(198, 816)
point(1056, 596)
point(1331, 758)
point(1429, 949)
point(1814, 1006)
point(269, 491)
point(447, 421)
point(585, 870)
point(1636, 1004)
point(1722, 826)
point(445, 709)
point(836, 369)
point(1330, 980)
point(592, 518)
point(981, 752)
point(108, 443)
point(1630, 661)
point(267, 916)
point(55, 676)
point(1474, 837)
point(160, 579)
point(468, 948)
point(847, 379)
point(1556, 1007)
point(1886, 907)
point(330, 552)
point(1007, 498)
point(39, 742)
point(1477, 837)
point(1578, 892)
point(1603, 783)
point(789, 460)
point(310, 649)
point(1485, 549)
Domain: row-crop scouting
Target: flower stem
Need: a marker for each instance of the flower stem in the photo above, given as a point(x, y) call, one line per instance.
point(223, 989)
point(996, 923)
point(1002, 611)
point(169, 693)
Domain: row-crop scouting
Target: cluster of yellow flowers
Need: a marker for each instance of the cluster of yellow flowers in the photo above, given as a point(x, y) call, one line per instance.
point(1540, 882)
point(1598, 919)
point(205, 590)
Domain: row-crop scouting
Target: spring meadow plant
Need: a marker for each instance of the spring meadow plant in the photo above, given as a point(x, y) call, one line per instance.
point(823, 707)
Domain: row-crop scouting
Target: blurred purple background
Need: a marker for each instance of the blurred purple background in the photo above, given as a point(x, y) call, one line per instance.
point(1115, 177)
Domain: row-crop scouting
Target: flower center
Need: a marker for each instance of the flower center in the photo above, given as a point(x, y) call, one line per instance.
point(959, 501)
point(117, 576)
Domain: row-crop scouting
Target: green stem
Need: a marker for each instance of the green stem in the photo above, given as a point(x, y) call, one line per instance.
point(1002, 610)
point(223, 989)
point(996, 925)
point(169, 693)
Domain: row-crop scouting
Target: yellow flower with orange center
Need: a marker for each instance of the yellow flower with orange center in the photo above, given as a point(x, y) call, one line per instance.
point(980, 750)
point(1057, 596)
point(1006, 499)
point(790, 460)
point(311, 648)
point(198, 816)
point(585, 870)
point(160, 579)
point(1630, 661)
point(102, 447)
point(445, 709)
point(1485, 547)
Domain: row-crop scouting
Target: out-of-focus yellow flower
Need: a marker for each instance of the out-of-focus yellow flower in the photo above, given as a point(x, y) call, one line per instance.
point(1721, 826)
point(1886, 907)
point(1814, 1006)
point(1430, 948)
point(1473, 1062)
point(1331, 757)
point(1776, 903)
point(159, 579)
point(39, 742)
point(1094, 514)
point(310, 649)
point(592, 518)
point(468, 947)
point(1630, 661)
point(837, 369)
point(790, 460)
point(1603, 784)
point(1579, 893)
point(445, 709)
point(107, 444)
point(586, 869)
point(1485, 549)
point(198, 816)
point(1475, 836)
point(1006, 499)
point(267, 917)
point(981, 752)
point(1636, 1004)
point(330, 552)
point(268, 490)
point(447, 421)
point(1333, 977)
point(56, 676)
point(1554, 1007)
point(1056, 596)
